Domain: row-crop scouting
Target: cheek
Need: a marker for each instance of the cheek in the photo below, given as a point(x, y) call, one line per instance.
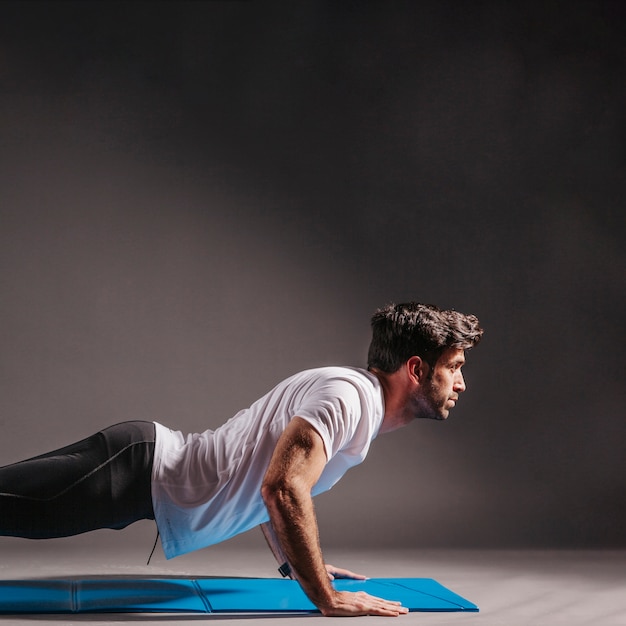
point(441, 377)
point(445, 382)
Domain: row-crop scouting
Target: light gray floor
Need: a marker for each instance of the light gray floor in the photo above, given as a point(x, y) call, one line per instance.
point(512, 588)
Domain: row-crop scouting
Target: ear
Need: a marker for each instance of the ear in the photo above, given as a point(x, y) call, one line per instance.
point(417, 369)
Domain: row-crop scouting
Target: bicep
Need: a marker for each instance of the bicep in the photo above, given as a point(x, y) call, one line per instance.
point(299, 457)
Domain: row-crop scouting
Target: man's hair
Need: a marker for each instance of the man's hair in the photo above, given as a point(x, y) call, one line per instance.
point(400, 331)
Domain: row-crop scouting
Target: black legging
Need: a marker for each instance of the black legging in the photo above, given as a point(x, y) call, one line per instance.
point(100, 482)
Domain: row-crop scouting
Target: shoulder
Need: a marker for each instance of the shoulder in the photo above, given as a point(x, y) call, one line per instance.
point(340, 375)
point(340, 388)
point(351, 381)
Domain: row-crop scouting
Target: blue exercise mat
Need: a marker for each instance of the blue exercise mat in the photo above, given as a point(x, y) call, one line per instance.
point(209, 595)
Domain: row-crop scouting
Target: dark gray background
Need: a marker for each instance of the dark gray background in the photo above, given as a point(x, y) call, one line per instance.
point(199, 199)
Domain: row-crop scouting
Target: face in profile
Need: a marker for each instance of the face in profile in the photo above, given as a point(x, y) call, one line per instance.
point(439, 391)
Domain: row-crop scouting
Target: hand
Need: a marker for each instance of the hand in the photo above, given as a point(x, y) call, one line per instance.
point(353, 604)
point(337, 572)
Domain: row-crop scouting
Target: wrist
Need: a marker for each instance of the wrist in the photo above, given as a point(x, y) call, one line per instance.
point(321, 593)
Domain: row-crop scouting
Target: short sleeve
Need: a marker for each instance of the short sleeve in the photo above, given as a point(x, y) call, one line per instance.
point(333, 408)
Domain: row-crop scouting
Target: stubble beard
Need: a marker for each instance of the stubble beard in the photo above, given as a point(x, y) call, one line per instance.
point(428, 404)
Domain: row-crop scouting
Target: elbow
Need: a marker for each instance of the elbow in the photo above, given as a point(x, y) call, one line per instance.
point(273, 493)
point(268, 492)
point(280, 495)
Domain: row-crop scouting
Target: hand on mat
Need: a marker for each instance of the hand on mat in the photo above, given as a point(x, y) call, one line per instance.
point(361, 603)
point(338, 572)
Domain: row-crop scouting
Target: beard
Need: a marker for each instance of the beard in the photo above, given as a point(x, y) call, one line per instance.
point(430, 401)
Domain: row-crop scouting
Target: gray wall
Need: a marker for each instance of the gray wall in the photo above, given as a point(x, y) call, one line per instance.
point(199, 199)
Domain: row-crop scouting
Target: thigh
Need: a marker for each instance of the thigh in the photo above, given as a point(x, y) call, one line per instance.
point(102, 481)
point(130, 452)
point(48, 476)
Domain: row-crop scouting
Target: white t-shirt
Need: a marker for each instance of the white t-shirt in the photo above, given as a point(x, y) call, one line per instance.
point(206, 487)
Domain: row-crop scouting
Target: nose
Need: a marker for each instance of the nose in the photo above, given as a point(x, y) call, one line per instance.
point(459, 382)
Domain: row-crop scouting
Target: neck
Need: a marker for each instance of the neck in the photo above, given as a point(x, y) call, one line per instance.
point(395, 393)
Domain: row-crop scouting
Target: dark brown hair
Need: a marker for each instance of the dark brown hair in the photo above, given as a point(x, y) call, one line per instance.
point(400, 331)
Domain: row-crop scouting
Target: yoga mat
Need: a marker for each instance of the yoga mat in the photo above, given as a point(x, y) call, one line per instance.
point(209, 595)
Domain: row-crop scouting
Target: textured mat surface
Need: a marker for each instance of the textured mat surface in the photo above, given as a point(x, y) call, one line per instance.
point(208, 595)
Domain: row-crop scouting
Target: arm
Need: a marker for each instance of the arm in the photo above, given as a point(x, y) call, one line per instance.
point(272, 541)
point(295, 467)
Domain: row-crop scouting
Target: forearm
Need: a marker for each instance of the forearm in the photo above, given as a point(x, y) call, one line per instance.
point(295, 526)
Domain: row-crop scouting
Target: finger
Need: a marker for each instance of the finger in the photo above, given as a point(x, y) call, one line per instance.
point(381, 606)
point(388, 611)
point(387, 607)
point(361, 603)
point(338, 572)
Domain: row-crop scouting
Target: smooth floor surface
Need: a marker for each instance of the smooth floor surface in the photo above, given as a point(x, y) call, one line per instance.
point(512, 588)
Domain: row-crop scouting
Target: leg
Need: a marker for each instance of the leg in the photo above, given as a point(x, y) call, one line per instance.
point(100, 482)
